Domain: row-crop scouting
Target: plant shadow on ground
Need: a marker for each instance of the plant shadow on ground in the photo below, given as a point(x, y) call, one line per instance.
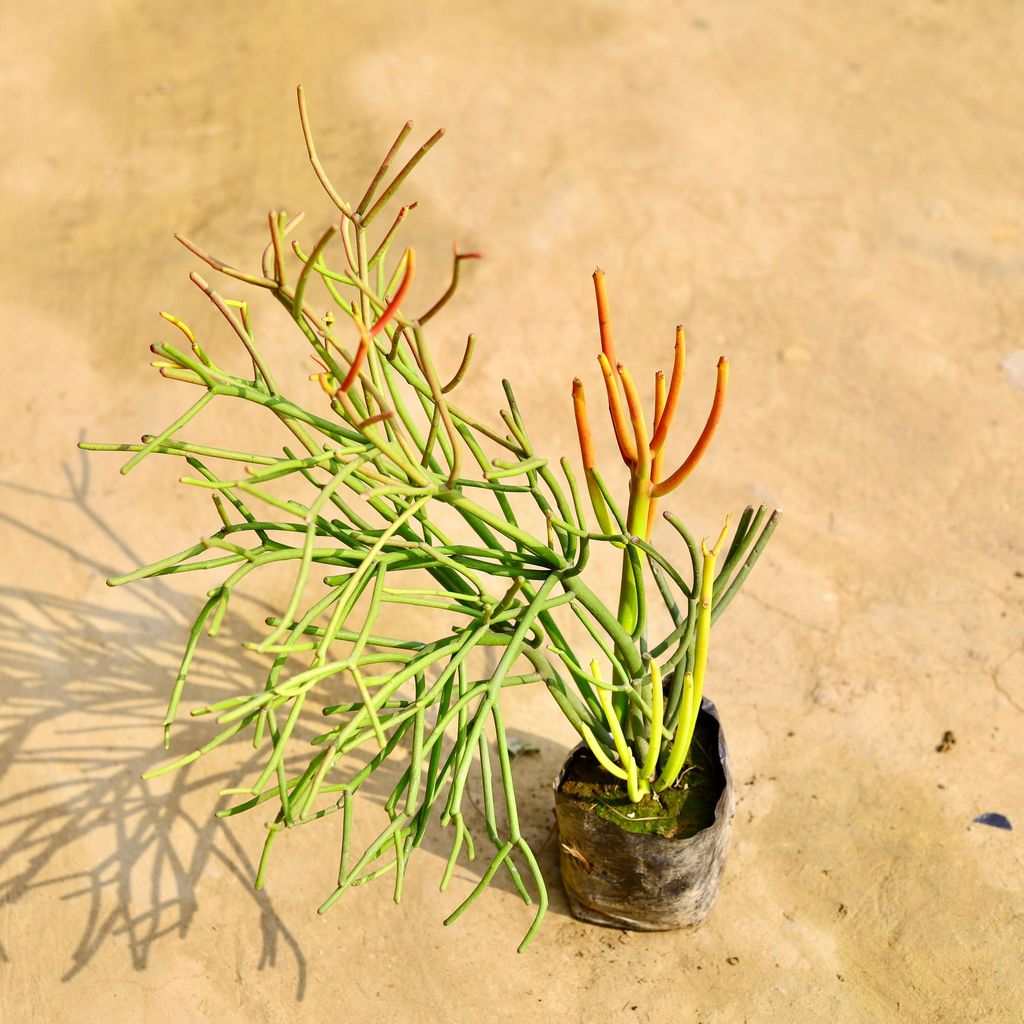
point(77, 678)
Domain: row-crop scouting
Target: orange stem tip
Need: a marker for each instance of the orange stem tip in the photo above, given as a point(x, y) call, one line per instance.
point(659, 396)
point(701, 446)
point(403, 288)
point(357, 362)
point(379, 418)
point(636, 413)
point(465, 255)
point(625, 442)
point(603, 316)
point(579, 404)
point(664, 422)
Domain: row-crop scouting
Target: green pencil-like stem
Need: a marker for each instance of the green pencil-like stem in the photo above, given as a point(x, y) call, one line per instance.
point(693, 685)
point(650, 764)
point(621, 746)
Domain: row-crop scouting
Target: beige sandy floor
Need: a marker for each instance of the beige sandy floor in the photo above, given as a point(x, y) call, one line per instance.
point(829, 193)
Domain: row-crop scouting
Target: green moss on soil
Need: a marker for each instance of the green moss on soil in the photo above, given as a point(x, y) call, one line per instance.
point(678, 813)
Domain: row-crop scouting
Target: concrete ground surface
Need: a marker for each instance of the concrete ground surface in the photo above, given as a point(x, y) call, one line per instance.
point(830, 194)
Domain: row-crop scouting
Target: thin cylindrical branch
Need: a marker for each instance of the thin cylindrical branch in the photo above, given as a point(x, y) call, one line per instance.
point(659, 397)
point(224, 268)
point(450, 290)
point(384, 166)
point(259, 365)
point(693, 685)
point(385, 242)
point(307, 134)
point(586, 438)
point(671, 482)
point(440, 403)
point(627, 449)
point(266, 261)
point(275, 220)
point(650, 764)
point(604, 320)
point(636, 416)
point(460, 373)
point(663, 421)
point(402, 175)
point(303, 281)
point(721, 600)
point(358, 360)
point(403, 289)
point(169, 432)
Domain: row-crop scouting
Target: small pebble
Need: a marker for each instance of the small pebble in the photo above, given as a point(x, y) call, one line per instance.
point(995, 820)
point(517, 746)
point(1013, 367)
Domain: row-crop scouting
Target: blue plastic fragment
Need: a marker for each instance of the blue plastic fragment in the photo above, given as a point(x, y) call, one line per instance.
point(995, 820)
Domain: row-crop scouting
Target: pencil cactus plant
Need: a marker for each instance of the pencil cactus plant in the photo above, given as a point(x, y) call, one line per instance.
point(651, 724)
point(397, 495)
